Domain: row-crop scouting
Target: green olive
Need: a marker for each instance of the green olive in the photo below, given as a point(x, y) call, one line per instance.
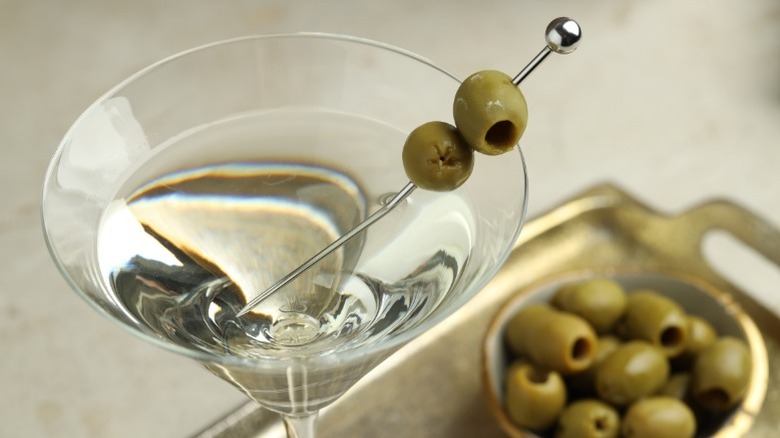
point(557, 340)
point(519, 326)
point(676, 386)
point(490, 112)
point(588, 418)
point(658, 416)
point(534, 396)
point(701, 335)
point(635, 369)
point(721, 374)
point(600, 301)
point(436, 157)
point(656, 319)
point(584, 381)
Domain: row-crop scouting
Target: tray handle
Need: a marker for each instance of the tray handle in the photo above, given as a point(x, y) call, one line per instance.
point(747, 227)
point(753, 230)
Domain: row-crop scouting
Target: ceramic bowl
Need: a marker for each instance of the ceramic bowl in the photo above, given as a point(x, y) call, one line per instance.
point(694, 295)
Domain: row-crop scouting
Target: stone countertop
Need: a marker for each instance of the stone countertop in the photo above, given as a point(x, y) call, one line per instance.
point(676, 102)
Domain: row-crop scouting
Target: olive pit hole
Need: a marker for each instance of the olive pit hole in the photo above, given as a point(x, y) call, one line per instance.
point(581, 349)
point(716, 397)
point(538, 376)
point(671, 337)
point(502, 134)
point(601, 422)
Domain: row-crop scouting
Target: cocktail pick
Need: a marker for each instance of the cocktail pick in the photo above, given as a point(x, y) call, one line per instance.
point(562, 36)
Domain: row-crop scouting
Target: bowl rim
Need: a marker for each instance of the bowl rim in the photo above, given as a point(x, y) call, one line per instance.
point(743, 415)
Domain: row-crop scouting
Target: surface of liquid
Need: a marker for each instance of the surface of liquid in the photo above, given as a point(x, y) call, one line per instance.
point(189, 241)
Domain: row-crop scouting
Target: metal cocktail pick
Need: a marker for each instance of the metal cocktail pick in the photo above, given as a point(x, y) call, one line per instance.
point(562, 36)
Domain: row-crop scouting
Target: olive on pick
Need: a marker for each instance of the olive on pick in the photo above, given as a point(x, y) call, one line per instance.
point(490, 112)
point(659, 416)
point(600, 301)
point(588, 418)
point(436, 157)
point(534, 396)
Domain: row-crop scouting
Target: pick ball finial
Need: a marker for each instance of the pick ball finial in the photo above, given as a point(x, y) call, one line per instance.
point(563, 35)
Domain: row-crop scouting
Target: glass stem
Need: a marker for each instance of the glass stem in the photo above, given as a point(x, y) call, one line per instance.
point(300, 426)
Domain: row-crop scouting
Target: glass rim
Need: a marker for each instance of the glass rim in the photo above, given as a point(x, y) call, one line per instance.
point(334, 355)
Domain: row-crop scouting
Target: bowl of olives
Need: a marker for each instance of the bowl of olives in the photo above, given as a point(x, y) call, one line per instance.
point(623, 354)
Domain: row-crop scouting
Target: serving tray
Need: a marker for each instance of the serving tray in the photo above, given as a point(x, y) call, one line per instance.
point(432, 387)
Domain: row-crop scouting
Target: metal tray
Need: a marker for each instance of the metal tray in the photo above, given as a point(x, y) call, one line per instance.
point(431, 387)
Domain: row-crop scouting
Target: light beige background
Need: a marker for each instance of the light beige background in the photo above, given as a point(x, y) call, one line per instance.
point(675, 101)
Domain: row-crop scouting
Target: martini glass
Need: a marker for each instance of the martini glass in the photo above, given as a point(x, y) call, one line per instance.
point(197, 183)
